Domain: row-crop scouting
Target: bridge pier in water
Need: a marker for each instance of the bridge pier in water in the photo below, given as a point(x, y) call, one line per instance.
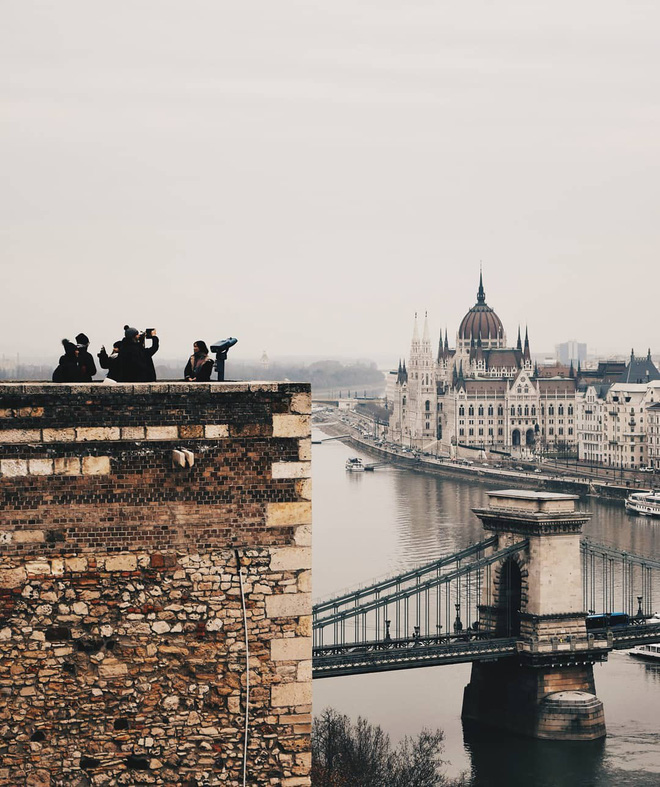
point(535, 595)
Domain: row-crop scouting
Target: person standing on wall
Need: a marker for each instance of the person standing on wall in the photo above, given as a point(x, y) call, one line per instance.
point(135, 361)
point(200, 364)
point(68, 369)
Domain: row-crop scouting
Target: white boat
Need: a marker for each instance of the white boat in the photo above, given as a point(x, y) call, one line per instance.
point(647, 652)
point(644, 503)
point(354, 465)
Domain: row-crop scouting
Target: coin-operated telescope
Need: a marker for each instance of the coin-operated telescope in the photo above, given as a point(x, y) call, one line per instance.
point(221, 348)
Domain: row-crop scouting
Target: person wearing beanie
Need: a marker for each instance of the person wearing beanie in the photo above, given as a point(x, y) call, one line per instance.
point(85, 359)
point(135, 361)
point(68, 369)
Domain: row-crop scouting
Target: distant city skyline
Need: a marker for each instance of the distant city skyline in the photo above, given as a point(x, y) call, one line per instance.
point(306, 178)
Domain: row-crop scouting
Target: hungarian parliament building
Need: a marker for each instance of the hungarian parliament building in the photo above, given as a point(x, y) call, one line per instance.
point(482, 394)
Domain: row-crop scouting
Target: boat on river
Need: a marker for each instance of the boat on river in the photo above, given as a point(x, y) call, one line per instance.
point(647, 652)
point(355, 465)
point(644, 503)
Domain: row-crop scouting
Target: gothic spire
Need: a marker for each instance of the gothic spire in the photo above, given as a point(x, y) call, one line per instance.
point(426, 337)
point(527, 355)
point(519, 344)
point(571, 371)
point(481, 295)
point(415, 337)
point(446, 340)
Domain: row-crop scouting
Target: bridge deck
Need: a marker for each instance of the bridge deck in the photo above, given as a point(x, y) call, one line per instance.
point(364, 657)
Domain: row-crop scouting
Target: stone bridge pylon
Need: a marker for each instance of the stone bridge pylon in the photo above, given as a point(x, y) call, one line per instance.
point(535, 595)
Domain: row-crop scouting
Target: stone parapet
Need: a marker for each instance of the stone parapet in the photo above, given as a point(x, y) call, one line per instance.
point(130, 514)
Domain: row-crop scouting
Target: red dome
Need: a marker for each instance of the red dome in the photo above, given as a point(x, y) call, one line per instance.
point(481, 320)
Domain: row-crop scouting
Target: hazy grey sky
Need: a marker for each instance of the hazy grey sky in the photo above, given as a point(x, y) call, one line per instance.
point(307, 175)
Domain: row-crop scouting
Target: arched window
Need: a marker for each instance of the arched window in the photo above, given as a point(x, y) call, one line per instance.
point(500, 409)
point(526, 409)
point(490, 409)
point(519, 410)
point(560, 409)
point(404, 401)
point(520, 389)
point(481, 409)
point(570, 409)
point(427, 405)
point(461, 410)
point(527, 389)
point(471, 410)
point(533, 409)
point(551, 409)
point(513, 410)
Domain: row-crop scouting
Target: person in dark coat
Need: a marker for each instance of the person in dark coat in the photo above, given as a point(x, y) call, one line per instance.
point(200, 364)
point(110, 362)
point(68, 369)
point(85, 360)
point(135, 361)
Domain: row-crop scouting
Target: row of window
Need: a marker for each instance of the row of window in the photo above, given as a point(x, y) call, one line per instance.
point(520, 410)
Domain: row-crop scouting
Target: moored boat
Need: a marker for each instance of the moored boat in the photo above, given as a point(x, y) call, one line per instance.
point(648, 652)
point(644, 503)
point(354, 465)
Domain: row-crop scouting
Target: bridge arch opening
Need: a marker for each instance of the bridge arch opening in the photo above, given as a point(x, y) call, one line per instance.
point(510, 599)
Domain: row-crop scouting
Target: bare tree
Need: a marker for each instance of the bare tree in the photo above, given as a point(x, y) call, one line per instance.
point(361, 755)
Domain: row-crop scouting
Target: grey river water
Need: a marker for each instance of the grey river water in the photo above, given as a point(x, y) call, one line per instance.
point(370, 524)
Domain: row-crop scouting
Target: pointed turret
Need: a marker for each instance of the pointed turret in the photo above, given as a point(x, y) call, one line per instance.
point(481, 295)
point(526, 353)
point(404, 373)
point(425, 336)
point(648, 355)
point(446, 341)
point(519, 343)
point(536, 369)
point(571, 371)
point(415, 336)
point(441, 354)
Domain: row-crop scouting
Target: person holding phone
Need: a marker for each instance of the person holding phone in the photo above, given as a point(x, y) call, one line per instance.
point(135, 361)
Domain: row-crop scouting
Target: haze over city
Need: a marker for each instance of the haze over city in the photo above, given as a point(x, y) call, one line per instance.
point(306, 177)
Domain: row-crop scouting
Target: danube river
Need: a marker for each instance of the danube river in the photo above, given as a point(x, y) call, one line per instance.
point(370, 524)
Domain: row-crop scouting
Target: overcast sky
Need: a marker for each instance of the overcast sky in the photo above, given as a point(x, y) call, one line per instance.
point(306, 175)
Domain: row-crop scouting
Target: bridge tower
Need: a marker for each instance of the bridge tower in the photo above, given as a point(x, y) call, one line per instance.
point(547, 689)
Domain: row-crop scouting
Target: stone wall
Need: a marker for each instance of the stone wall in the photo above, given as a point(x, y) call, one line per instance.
point(129, 515)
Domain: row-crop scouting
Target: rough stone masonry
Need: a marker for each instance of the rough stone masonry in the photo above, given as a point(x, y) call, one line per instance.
point(126, 514)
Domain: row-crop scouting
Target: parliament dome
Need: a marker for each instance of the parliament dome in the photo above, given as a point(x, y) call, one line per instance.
point(481, 321)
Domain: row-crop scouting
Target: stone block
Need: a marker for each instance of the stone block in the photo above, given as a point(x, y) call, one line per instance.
point(12, 577)
point(40, 466)
point(133, 433)
point(14, 467)
point(305, 449)
point(216, 431)
point(304, 673)
point(111, 668)
point(288, 514)
point(304, 488)
point(291, 694)
point(291, 469)
point(20, 436)
point(291, 426)
point(301, 403)
point(67, 435)
point(75, 564)
point(191, 431)
point(86, 434)
point(296, 781)
point(291, 649)
point(29, 536)
point(290, 559)
point(288, 605)
point(121, 563)
point(36, 568)
point(305, 582)
point(162, 433)
point(302, 536)
point(96, 465)
point(67, 465)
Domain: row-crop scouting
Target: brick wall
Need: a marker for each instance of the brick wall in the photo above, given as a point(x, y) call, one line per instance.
point(125, 513)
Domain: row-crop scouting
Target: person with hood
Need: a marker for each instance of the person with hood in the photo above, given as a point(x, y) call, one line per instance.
point(85, 360)
point(68, 369)
point(200, 364)
point(135, 361)
point(110, 362)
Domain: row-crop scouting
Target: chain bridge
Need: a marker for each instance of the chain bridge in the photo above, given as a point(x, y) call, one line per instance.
point(532, 594)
